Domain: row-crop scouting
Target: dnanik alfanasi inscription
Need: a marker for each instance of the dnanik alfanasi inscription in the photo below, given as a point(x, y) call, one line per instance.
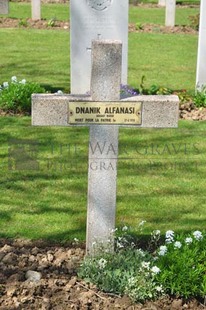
point(105, 113)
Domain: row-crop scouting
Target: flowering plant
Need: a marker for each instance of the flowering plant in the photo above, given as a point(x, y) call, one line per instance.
point(175, 267)
point(129, 271)
point(15, 96)
point(182, 260)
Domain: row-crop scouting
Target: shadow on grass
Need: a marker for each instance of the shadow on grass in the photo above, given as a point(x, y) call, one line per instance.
point(51, 204)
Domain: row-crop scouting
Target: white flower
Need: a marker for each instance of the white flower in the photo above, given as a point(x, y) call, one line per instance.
point(155, 270)
point(159, 288)
point(119, 245)
point(59, 92)
point(140, 252)
point(102, 263)
point(197, 235)
point(131, 281)
point(163, 250)
point(14, 79)
point(146, 265)
point(5, 84)
point(169, 235)
point(76, 240)
point(125, 228)
point(156, 232)
point(142, 223)
point(188, 240)
point(177, 245)
point(23, 81)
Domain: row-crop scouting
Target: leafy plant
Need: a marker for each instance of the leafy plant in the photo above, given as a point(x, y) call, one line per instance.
point(200, 97)
point(52, 22)
point(139, 26)
point(23, 23)
point(195, 19)
point(15, 96)
point(176, 267)
point(182, 260)
point(130, 270)
point(154, 89)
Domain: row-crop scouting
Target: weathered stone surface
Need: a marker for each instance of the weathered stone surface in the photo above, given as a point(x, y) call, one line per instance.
point(33, 276)
point(157, 111)
point(36, 9)
point(4, 7)
point(52, 110)
point(105, 85)
point(170, 13)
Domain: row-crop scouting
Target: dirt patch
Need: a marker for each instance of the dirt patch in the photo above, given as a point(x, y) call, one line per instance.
point(154, 28)
point(6, 22)
point(61, 25)
point(53, 282)
point(188, 111)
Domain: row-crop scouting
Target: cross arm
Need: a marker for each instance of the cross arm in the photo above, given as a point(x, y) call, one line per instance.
point(156, 111)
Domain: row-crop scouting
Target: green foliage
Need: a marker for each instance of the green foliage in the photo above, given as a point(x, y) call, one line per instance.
point(194, 21)
point(23, 23)
point(153, 89)
point(182, 261)
point(185, 96)
point(129, 271)
point(177, 267)
point(15, 96)
point(139, 26)
point(52, 22)
point(200, 97)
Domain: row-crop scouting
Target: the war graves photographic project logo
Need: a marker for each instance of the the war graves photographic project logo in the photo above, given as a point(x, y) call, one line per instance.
point(22, 154)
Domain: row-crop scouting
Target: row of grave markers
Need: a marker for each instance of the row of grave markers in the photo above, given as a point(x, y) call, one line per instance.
point(35, 4)
point(36, 10)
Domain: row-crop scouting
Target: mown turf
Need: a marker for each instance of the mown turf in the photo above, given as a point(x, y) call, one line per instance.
point(161, 179)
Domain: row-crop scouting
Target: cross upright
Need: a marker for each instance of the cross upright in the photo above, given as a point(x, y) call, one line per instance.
point(104, 112)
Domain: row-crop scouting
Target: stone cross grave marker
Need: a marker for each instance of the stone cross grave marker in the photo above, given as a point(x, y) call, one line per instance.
point(95, 20)
point(4, 7)
point(170, 13)
point(36, 9)
point(104, 112)
point(201, 56)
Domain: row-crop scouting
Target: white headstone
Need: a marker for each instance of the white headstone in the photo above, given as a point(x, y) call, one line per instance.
point(170, 13)
point(95, 20)
point(201, 57)
point(36, 9)
point(4, 7)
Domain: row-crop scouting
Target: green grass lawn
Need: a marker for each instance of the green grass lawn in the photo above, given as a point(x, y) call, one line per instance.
point(156, 15)
point(143, 15)
point(161, 179)
point(165, 59)
point(161, 173)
